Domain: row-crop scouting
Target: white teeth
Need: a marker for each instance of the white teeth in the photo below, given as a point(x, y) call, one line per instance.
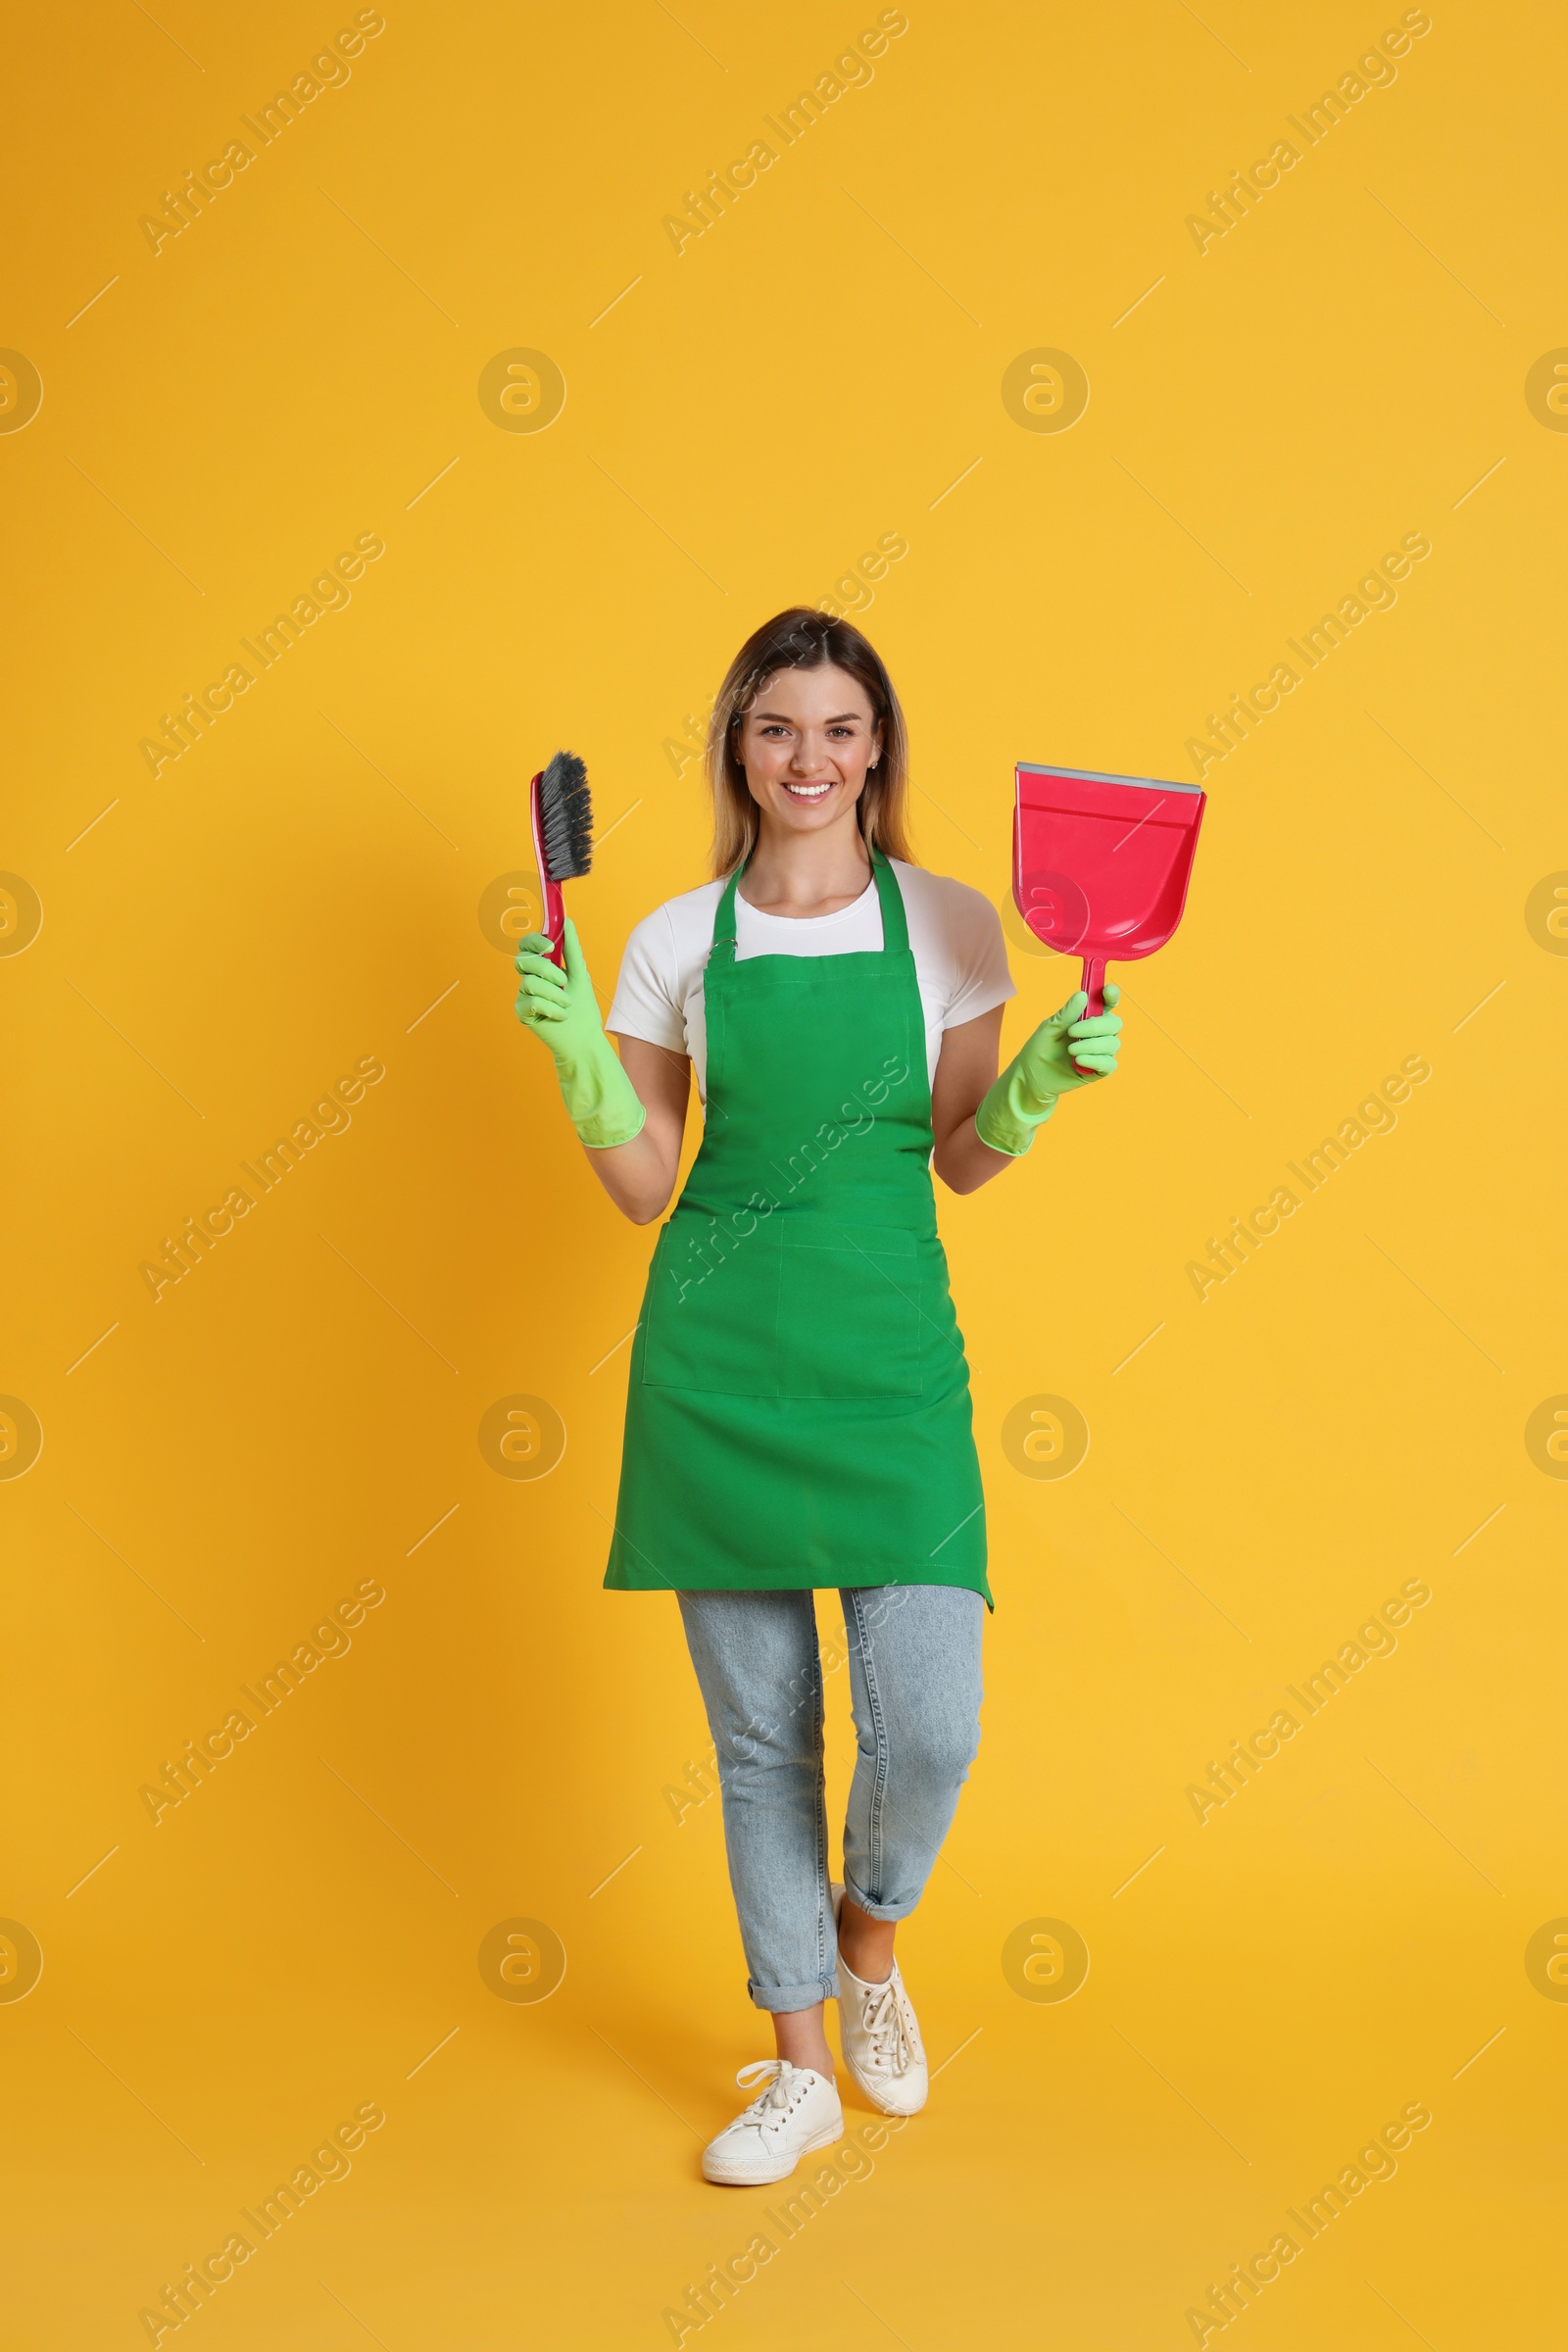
point(808, 792)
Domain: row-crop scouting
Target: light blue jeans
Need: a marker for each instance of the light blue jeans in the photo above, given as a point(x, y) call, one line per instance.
point(914, 1683)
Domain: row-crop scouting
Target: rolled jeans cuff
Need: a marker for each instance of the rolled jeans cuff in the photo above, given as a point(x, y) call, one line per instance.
point(780, 1999)
point(863, 1902)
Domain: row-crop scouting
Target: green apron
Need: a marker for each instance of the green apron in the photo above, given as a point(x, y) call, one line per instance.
point(798, 1413)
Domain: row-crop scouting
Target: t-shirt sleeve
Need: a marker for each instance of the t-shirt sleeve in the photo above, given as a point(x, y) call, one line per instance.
point(980, 977)
point(647, 1000)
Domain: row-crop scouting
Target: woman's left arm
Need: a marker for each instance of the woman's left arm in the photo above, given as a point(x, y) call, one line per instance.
point(965, 1067)
point(969, 1102)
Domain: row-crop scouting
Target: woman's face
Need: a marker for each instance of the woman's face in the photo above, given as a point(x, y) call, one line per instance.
point(806, 744)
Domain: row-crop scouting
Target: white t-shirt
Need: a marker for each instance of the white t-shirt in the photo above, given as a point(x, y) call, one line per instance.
point(961, 959)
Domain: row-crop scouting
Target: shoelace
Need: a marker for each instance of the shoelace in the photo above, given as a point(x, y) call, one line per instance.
point(883, 2020)
point(775, 2101)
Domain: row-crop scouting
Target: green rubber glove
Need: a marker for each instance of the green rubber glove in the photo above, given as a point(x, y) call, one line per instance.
point(1026, 1095)
point(560, 1007)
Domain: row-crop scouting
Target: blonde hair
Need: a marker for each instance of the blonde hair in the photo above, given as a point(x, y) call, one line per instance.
point(801, 639)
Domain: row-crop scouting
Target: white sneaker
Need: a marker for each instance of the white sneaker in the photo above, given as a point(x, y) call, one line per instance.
point(881, 2038)
point(797, 2112)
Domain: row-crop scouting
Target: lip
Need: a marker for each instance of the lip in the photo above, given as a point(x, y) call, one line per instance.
point(814, 789)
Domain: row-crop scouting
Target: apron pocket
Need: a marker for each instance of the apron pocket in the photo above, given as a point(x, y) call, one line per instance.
point(848, 1320)
point(712, 1321)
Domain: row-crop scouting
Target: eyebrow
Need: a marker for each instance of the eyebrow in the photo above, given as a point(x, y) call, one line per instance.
point(783, 719)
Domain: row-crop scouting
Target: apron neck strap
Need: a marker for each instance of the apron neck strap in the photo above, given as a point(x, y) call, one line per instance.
point(724, 919)
point(895, 924)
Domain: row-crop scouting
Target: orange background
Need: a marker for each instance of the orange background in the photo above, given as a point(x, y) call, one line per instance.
point(300, 891)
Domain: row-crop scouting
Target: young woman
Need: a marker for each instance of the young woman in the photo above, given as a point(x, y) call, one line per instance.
point(798, 1413)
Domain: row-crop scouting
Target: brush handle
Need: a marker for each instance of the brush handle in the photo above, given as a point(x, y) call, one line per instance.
point(555, 924)
point(554, 909)
point(1091, 980)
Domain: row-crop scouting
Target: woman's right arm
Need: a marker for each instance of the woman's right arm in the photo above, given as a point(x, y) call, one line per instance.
point(639, 1176)
point(630, 1112)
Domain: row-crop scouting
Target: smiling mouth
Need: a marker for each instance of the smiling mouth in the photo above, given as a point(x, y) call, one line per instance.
point(808, 792)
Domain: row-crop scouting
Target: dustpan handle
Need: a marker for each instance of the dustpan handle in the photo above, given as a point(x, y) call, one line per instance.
point(1091, 980)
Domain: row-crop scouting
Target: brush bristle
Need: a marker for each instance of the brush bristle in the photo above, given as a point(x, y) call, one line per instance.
point(566, 817)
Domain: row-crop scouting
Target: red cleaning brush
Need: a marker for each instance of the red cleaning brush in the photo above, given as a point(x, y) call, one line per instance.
point(561, 813)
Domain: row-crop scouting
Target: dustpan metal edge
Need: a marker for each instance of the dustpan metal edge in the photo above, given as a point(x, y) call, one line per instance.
point(1091, 775)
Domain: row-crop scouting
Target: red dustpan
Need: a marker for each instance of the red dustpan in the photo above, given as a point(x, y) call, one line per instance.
point(1100, 863)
